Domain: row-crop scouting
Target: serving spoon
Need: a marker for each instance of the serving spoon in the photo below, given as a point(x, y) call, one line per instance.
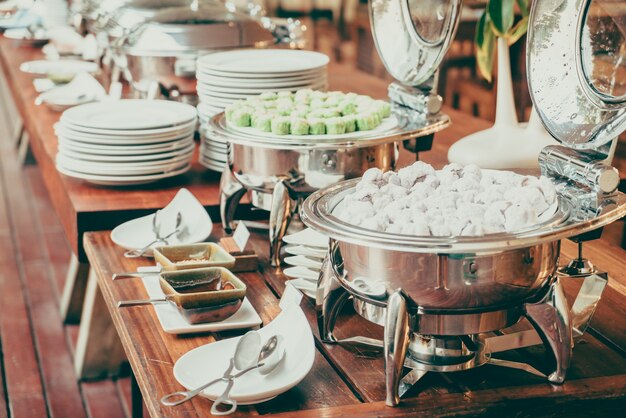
point(249, 355)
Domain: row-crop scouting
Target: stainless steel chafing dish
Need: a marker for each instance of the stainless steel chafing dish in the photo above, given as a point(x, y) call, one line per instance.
point(280, 174)
point(154, 44)
point(438, 298)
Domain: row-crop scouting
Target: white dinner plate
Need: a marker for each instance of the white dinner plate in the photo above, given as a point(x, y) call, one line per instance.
point(122, 180)
point(168, 131)
point(173, 322)
point(263, 61)
point(122, 169)
point(58, 67)
point(386, 125)
point(114, 141)
point(202, 72)
point(159, 157)
point(130, 114)
point(197, 224)
point(209, 362)
point(307, 237)
point(258, 89)
point(226, 81)
point(214, 94)
point(114, 149)
point(219, 167)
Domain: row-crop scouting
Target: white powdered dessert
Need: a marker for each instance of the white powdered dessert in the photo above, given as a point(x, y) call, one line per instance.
point(455, 201)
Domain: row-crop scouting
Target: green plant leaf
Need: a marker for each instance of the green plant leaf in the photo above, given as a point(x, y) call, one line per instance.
point(501, 13)
point(480, 30)
point(485, 47)
point(524, 7)
point(517, 31)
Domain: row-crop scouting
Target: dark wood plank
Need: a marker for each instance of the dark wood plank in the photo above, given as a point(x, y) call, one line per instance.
point(21, 372)
point(102, 400)
point(598, 397)
point(153, 362)
point(59, 383)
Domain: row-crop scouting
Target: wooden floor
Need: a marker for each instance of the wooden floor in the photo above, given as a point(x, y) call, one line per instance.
point(36, 350)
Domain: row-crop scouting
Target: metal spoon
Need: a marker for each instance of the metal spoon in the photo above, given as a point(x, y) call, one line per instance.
point(248, 355)
point(140, 252)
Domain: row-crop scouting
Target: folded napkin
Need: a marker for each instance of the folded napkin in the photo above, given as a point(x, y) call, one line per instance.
point(83, 88)
point(65, 41)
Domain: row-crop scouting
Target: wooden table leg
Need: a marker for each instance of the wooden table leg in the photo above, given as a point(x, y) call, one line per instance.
point(99, 351)
point(74, 291)
point(136, 398)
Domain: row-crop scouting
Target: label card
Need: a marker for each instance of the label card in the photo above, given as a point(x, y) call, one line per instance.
point(241, 235)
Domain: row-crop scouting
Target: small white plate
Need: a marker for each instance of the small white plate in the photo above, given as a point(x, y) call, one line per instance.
point(173, 322)
point(301, 272)
point(122, 180)
point(197, 224)
point(306, 251)
point(308, 238)
point(58, 67)
point(307, 287)
point(263, 61)
point(130, 114)
point(303, 261)
point(209, 362)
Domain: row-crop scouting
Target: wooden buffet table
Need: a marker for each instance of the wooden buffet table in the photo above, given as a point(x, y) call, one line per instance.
point(351, 383)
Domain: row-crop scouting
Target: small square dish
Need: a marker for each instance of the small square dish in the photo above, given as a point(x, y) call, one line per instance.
point(203, 295)
point(193, 256)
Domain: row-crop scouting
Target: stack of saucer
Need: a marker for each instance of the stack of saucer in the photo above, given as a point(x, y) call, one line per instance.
point(229, 76)
point(126, 142)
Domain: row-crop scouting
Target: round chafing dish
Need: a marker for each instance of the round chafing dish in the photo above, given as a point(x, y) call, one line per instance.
point(163, 50)
point(280, 173)
point(437, 297)
point(448, 274)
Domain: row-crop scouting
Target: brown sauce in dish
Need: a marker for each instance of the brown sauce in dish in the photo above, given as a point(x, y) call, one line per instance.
point(203, 286)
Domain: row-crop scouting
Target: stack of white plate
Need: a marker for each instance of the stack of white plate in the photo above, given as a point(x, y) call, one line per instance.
point(126, 142)
point(229, 76)
point(306, 250)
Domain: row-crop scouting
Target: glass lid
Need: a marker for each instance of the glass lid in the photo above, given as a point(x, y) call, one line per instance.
point(197, 29)
point(412, 36)
point(577, 69)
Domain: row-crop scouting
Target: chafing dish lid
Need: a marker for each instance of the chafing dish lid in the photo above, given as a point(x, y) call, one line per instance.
point(208, 26)
point(412, 36)
point(577, 69)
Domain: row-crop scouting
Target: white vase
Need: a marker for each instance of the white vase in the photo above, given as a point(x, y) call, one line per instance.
point(508, 144)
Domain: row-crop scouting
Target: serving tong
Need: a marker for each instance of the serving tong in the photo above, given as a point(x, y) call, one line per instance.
point(249, 355)
point(136, 253)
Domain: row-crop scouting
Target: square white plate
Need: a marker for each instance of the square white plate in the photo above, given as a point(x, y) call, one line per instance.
point(173, 322)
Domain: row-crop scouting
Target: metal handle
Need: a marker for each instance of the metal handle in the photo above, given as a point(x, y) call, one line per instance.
point(137, 302)
point(136, 253)
point(185, 395)
point(128, 274)
point(224, 399)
